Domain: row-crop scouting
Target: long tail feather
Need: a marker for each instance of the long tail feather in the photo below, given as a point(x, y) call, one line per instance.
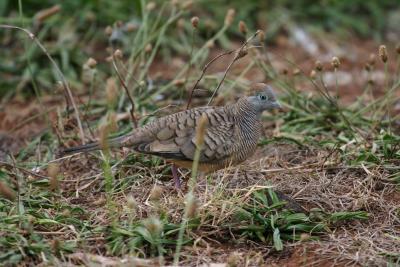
point(115, 142)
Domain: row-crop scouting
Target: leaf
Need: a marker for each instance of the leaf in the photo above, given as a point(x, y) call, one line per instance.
point(277, 240)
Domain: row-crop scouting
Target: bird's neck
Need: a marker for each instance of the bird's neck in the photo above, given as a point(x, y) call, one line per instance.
point(244, 111)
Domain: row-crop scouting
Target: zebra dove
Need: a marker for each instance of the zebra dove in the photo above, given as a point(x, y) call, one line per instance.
point(231, 135)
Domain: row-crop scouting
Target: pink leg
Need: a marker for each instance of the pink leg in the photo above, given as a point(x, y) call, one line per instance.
point(177, 179)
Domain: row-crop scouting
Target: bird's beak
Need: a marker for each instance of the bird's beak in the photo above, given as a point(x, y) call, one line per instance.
point(277, 105)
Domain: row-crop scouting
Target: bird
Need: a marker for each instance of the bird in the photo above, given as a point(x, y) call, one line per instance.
point(230, 137)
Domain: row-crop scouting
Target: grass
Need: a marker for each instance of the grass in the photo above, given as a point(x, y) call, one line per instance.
point(340, 162)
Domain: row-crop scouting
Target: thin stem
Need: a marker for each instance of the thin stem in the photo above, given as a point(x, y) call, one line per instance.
point(64, 82)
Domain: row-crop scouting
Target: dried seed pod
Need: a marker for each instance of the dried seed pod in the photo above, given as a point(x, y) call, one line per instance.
point(383, 53)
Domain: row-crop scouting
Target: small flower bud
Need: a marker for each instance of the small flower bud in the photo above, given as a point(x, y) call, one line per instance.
point(108, 30)
point(335, 62)
point(142, 83)
point(383, 53)
point(195, 22)
point(318, 65)
point(230, 16)
point(243, 27)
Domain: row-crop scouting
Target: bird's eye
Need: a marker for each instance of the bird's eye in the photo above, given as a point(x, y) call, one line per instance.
point(263, 97)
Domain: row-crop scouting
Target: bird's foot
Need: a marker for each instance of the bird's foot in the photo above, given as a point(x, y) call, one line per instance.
point(177, 179)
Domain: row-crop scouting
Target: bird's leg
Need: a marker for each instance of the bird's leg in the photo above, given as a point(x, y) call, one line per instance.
point(177, 179)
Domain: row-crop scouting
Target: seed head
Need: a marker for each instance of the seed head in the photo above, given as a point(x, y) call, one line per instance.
point(372, 59)
point(180, 24)
point(261, 36)
point(230, 16)
point(243, 27)
point(195, 22)
point(91, 63)
point(210, 44)
point(187, 4)
point(201, 130)
point(154, 226)
point(319, 66)
point(104, 132)
point(191, 205)
point(118, 54)
point(131, 202)
point(296, 71)
point(335, 62)
point(130, 27)
point(52, 171)
point(111, 91)
point(150, 6)
point(148, 48)
point(108, 30)
point(383, 53)
point(313, 74)
point(156, 193)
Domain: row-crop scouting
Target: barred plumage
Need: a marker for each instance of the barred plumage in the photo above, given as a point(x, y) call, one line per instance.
point(231, 136)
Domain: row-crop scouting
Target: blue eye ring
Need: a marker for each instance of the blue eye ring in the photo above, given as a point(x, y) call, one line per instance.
point(262, 97)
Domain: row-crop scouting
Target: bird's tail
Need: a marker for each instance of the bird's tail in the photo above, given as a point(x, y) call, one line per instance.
point(114, 142)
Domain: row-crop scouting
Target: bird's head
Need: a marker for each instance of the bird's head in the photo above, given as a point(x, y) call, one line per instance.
point(262, 97)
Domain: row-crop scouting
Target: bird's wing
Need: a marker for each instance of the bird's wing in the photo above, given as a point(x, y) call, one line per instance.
point(174, 137)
